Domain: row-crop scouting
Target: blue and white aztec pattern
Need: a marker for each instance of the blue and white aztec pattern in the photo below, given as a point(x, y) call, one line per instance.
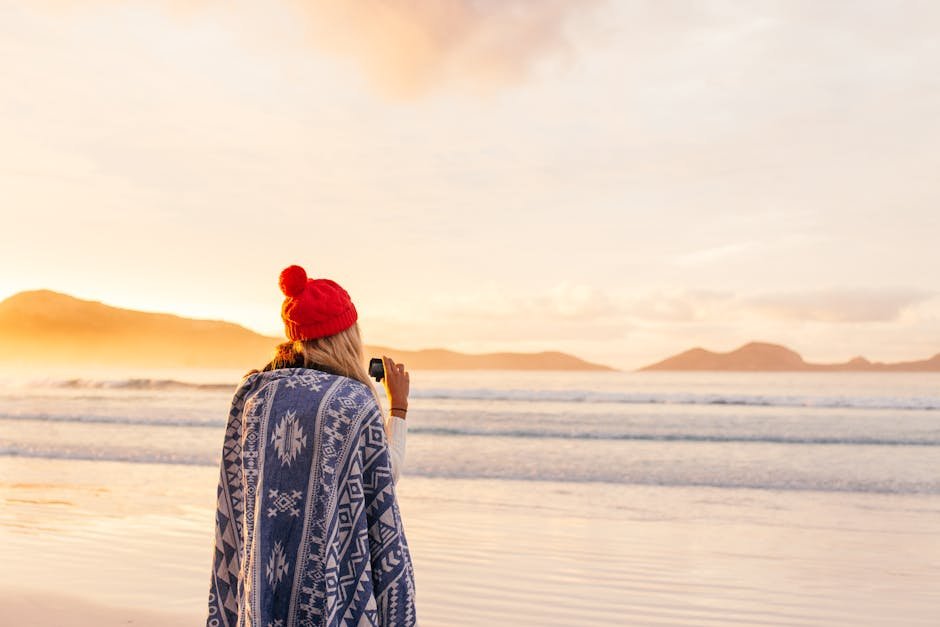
point(308, 531)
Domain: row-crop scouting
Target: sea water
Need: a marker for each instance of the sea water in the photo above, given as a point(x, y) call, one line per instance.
point(830, 432)
point(529, 498)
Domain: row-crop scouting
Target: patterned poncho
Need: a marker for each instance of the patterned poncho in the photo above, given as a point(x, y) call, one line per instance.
point(308, 531)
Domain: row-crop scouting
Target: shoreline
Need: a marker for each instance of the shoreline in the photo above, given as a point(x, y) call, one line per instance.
point(131, 544)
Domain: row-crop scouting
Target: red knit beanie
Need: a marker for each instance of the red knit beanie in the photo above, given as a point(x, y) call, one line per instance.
point(313, 307)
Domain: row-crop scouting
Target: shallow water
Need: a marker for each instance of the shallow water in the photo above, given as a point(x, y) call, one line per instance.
point(528, 498)
point(838, 432)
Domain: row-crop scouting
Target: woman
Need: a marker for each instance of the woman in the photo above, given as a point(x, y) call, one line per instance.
point(308, 530)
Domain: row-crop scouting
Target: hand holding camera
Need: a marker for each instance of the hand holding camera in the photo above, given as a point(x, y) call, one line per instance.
point(397, 383)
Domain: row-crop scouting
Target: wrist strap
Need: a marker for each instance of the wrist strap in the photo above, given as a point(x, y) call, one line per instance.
point(404, 409)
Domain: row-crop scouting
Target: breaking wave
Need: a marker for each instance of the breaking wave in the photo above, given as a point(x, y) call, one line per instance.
point(554, 396)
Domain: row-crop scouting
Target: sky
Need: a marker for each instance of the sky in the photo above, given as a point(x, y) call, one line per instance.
point(618, 180)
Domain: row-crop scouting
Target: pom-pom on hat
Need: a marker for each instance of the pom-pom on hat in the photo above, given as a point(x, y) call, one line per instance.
point(313, 307)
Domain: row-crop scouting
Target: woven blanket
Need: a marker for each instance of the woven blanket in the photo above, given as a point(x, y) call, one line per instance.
point(308, 530)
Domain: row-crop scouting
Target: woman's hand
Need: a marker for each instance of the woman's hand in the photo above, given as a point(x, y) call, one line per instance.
point(397, 386)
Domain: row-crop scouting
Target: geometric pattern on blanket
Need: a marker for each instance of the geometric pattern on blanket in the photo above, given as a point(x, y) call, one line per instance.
point(308, 529)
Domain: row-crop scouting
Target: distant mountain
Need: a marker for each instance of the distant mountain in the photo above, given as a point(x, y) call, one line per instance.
point(45, 327)
point(764, 357)
point(441, 359)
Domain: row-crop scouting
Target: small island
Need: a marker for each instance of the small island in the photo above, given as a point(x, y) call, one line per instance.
point(767, 357)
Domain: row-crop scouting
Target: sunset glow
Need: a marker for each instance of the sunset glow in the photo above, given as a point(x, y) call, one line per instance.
point(637, 318)
point(610, 181)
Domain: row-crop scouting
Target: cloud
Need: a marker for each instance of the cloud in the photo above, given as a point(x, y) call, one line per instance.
point(562, 302)
point(680, 306)
point(407, 47)
point(578, 301)
point(841, 304)
point(490, 317)
point(835, 305)
point(717, 253)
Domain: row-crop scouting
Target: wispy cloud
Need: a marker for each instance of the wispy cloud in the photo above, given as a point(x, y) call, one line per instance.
point(716, 253)
point(680, 306)
point(409, 46)
point(587, 303)
point(840, 305)
point(565, 301)
point(835, 305)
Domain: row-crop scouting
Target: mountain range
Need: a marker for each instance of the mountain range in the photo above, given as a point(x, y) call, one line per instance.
point(765, 357)
point(46, 327)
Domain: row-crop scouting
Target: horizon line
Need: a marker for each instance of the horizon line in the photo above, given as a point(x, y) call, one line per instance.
point(492, 352)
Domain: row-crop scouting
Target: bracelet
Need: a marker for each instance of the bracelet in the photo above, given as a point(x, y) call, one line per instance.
point(404, 409)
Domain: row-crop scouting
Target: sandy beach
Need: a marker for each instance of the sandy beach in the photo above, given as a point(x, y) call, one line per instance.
point(105, 543)
point(527, 499)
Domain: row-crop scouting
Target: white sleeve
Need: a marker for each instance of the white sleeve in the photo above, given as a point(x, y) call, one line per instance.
point(396, 429)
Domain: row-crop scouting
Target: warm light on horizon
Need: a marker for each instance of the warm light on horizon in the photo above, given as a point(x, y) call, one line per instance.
point(411, 341)
point(582, 188)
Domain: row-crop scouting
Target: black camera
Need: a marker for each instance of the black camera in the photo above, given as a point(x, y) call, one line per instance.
point(377, 368)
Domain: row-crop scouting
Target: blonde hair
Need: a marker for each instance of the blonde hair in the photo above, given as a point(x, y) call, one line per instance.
point(339, 354)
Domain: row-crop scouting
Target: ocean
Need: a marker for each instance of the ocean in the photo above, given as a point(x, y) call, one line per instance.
point(529, 498)
point(830, 432)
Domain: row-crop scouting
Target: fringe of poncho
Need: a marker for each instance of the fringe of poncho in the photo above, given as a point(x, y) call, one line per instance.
point(308, 531)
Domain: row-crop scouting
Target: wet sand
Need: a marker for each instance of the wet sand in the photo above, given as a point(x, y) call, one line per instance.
point(111, 543)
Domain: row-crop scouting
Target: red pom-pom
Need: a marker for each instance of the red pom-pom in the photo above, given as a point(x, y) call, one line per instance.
point(293, 281)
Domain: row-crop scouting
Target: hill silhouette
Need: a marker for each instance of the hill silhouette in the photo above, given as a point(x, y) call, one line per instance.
point(766, 357)
point(45, 327)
